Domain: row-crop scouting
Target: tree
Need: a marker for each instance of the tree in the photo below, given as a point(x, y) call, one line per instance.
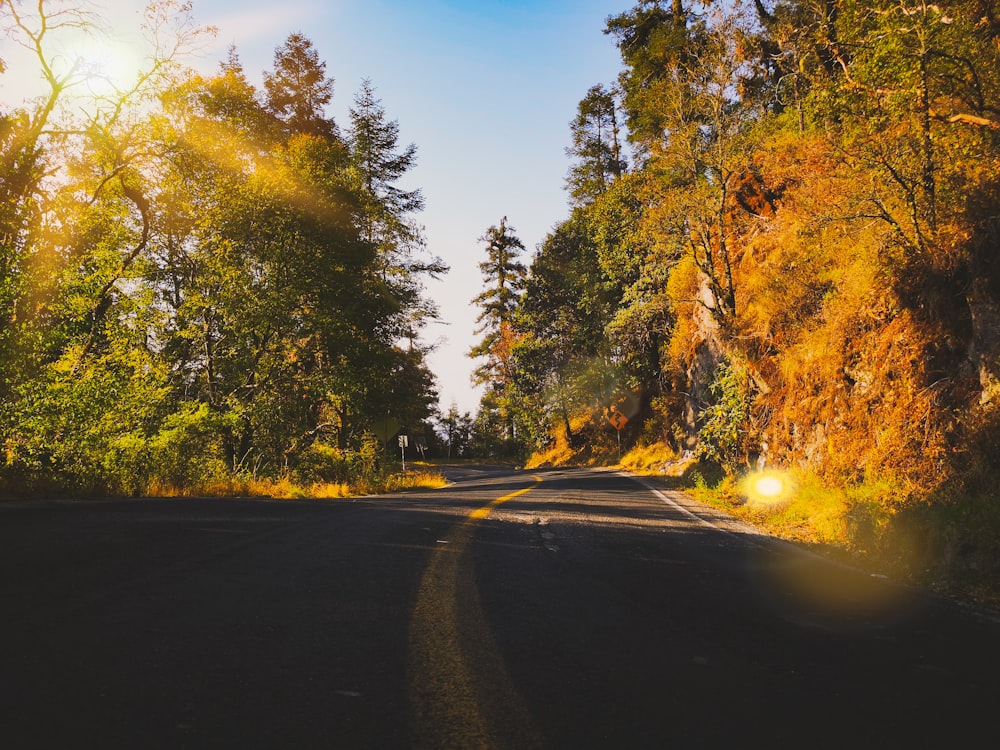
point(595, 145)
point(795, 48)
point(188, 291)
point(374, 143)
point(80, 372)
point(457, 429)
point(562, 358)
point(26, 145)
point(277, 219)
point(703, 153)
point(379, 164)
point(656, 43)
point(297, 91)
point(503, 274)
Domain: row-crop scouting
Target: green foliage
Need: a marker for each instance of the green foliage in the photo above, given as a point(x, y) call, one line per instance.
point(503, 276)
point(799, 269)
point(724, 436)
point(322, 462)
point(595, 144)
point(297, 90)
point(800, 203)
point(84, 428)
point(214, 287)
point(377, 163)
point(187, 449)
point(456, 429)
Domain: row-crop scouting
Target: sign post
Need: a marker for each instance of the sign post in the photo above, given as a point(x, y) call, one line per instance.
point(618, 421)
point(403, 442)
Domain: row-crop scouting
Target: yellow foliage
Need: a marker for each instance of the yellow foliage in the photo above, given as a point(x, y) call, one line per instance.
point(841, 367)
point(684, 291)
point(559, 453)
point(597, 444)
point(286, 489)
point(655, 458)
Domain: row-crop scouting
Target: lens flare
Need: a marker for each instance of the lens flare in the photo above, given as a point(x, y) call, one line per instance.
point(108, 66)
point(98, 61)
point(768, 487)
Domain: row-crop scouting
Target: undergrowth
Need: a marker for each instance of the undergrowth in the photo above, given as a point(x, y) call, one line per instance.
point(285, 488)
point(947, 544)
point(289, 489)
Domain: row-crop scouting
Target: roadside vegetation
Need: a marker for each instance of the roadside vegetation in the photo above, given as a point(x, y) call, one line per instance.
point(781, 252)
point(206, 286)
point(287, 488)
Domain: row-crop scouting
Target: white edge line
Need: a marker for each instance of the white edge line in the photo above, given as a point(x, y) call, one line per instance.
point(971, 609)
point(676, 505)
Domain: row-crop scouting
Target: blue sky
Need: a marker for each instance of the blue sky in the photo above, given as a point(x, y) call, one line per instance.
point(485, 90)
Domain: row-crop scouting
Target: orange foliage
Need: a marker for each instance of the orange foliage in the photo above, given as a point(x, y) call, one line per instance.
point(843, 368)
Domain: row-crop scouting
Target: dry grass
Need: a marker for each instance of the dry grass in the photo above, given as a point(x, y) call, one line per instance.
point(414, 480)
point(560, 452)
point(286, 489)
point(655, 458)
point(804, 509)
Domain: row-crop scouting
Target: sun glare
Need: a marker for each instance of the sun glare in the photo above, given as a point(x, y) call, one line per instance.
point(104, 65)
point(768, 487)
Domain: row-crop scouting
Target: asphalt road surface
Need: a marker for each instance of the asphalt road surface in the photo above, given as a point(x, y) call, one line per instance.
point(563, 609)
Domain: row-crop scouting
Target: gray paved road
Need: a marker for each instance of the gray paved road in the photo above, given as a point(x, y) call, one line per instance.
point(562, 609)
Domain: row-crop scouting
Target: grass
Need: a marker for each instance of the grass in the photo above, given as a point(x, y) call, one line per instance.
point(287, 489)
point(559, 454)
point(947, 545)
point(792, 505)
point(654, 459)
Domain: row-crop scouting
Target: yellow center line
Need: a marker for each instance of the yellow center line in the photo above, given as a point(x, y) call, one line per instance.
point(448, 632)
point(488, 508)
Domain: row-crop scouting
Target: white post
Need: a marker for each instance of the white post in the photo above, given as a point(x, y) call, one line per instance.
point(403, 440)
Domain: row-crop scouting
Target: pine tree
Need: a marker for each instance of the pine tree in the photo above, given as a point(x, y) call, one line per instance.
point(297, 90)
point(595, 146)
point(504, 276)
point(374, 143)
point(378, 163)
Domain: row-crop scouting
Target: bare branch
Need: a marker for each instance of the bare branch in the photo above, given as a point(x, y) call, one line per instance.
point(966, 119)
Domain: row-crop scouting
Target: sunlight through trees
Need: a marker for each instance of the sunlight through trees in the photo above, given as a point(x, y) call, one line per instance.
point(201, 281)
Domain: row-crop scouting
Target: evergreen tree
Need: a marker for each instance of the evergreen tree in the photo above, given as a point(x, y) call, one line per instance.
point(504, 276)
point(561, 357)
point(595, 145)
point(297, 90)
point(378, 164)
point(374, 145)
point(655, 43)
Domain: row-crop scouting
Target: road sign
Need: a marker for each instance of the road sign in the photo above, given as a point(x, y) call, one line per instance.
point(404, 441)
point(618, 420)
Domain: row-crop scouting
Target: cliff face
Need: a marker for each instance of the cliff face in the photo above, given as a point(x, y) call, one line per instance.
point(859, 359)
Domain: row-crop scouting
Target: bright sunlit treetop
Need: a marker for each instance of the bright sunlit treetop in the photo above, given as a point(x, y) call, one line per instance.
point(89, 51)
point(107, 65)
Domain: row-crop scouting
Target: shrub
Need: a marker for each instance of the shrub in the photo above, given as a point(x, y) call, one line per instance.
point(726, 433)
